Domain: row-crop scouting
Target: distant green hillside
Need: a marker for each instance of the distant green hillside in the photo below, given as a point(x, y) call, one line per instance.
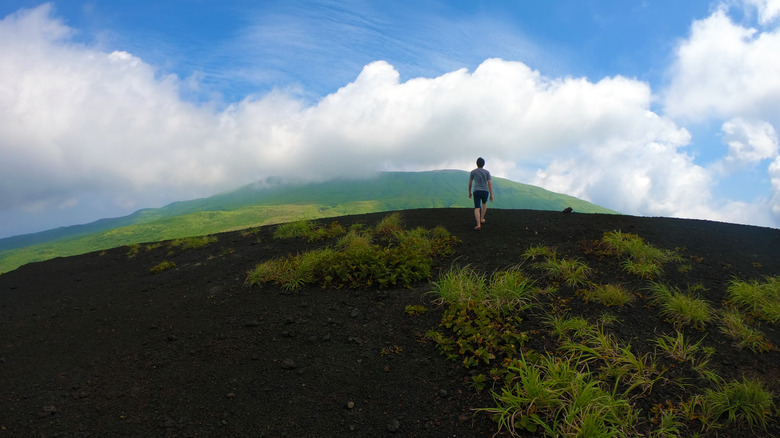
point(262, 204)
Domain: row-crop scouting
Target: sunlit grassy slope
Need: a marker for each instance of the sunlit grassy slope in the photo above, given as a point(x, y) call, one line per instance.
point(263, 204)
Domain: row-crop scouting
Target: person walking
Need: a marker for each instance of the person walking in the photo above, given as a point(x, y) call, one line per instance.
point(483, 189)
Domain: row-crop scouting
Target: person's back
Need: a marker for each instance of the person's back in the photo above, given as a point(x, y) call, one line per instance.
point(479, 180)
point(481, 177)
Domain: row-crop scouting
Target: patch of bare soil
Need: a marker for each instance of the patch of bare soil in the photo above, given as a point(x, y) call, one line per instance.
point(97, 345)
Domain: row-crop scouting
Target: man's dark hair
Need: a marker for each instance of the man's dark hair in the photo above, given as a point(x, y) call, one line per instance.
point(480, 162)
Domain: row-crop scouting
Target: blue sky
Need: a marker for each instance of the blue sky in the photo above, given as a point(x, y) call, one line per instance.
point(652, 108)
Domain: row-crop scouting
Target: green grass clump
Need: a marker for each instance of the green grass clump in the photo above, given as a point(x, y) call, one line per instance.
point(641, 258)
point(307, 229)
point(608, 295)
point(192, 242)
point(760, 299)
point(747, 402)
point(734, 325)
point(560, 397)
point(571, 272)
point(679, 348)
point(540, 251)
point(163, 266)
point(510, 288)
point(681, 308)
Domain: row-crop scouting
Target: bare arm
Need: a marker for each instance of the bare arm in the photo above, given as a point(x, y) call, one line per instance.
point(490, 186)
point(470, 187)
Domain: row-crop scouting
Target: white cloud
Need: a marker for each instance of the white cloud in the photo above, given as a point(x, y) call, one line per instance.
point(725, 70)
point(768, 10)
point(727, 73)
point(749, 141)
point(774, 173)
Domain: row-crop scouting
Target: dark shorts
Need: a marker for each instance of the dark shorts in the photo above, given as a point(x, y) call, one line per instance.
point(480, 196)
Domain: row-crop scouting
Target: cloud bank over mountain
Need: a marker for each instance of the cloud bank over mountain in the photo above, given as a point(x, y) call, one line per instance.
point(90, 130)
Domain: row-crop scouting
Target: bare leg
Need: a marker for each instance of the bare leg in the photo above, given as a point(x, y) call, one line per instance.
point(478, 217)
point(483, 211)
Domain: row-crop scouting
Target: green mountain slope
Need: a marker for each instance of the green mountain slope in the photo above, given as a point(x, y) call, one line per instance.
point(256, 204)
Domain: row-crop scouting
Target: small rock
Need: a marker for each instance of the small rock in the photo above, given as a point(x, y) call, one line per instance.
point(289, 364)
point(394, 426)
point(252, 323)
point(355, 313)
point(172, 338)
point(350, 404)
point(231, 395)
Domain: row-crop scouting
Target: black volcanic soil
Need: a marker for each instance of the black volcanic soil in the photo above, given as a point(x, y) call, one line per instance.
point(97, 345)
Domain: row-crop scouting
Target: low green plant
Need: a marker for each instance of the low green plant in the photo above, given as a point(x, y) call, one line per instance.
point(608, 295)
point(734, 325)
point(416, 309)
point(641, 259)
point(679, 348)
point(760, 299)
point(567, 328)
point(560, 397)
point(509, 288)
point(192, 242)
point(133, 250)
point(681, 308)
point(162, 266)
point(669, 425)
point(642, 268)
point(570, 271)
point(746, 402)
point(476, 334)
point(460, 285)
point(540, 251)
point(389, 225)
point(633, 246)
point(307, 229)
point(406, 258)
point(289, 230)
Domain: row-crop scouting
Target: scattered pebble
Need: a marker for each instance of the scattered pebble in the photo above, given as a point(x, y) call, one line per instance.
point(289, 364)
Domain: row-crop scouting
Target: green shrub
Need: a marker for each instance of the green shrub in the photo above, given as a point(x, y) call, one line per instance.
point(406, 257)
